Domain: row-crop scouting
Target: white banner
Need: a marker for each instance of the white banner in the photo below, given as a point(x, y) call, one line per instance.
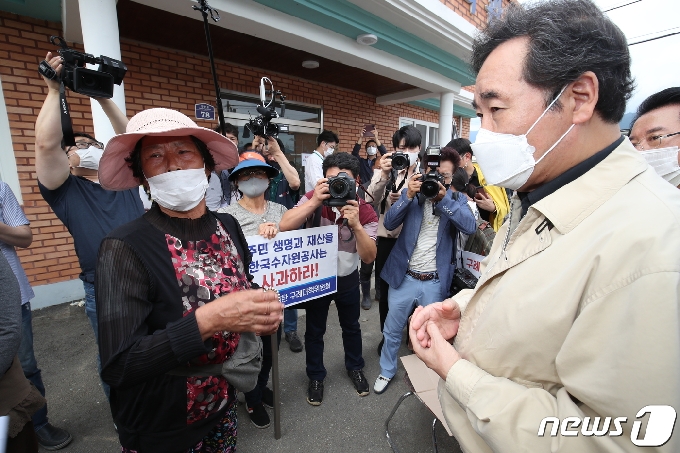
point(471, 262)
point(300, 264)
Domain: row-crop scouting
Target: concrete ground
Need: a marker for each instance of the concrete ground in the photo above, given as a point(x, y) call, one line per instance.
point(345, 422)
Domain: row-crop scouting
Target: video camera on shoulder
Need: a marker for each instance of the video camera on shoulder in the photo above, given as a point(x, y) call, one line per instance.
point(342, 189)
point(262, 124)
point(430, 186)
point(77, 78)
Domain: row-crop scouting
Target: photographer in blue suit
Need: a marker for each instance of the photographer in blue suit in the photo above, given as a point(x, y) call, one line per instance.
point(420, 267)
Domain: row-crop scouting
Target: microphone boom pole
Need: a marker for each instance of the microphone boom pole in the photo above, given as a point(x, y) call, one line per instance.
point(204, 8)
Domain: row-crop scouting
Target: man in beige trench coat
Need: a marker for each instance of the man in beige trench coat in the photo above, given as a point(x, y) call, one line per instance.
point(576, 313)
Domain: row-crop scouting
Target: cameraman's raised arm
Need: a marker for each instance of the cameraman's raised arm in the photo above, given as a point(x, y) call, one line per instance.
point(51, 163)
point(275, 152)
point(117, 118)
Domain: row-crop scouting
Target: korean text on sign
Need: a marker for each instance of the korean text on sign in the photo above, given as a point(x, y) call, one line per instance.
point(301, 264)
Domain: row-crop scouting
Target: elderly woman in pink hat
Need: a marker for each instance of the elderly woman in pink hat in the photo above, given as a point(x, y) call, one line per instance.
point(174, 290)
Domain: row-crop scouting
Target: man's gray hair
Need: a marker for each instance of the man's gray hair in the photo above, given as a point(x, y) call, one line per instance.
point(566, 39)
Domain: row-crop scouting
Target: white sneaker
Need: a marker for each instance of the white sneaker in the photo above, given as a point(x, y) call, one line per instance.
point(381, 384)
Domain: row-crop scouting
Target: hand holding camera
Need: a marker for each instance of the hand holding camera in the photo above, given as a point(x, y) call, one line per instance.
point(386, 165)
point(76, 77)
point(350, 212)
point(321, 192)
point(414, 184)
point(55, 63)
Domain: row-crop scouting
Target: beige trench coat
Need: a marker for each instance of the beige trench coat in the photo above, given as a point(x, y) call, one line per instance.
point(578, 320)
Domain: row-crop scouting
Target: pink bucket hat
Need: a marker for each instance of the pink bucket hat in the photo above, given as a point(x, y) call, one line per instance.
point(115, 172)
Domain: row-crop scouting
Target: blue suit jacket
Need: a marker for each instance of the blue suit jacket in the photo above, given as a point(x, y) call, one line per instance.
point(454, 215)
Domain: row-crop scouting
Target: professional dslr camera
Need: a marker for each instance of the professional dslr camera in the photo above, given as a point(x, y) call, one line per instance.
point(430, 186)
point(342, 189)
point(77, 78)
point(262, 124)
point(400, 161)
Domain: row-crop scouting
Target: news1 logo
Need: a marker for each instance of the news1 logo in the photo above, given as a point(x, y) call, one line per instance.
point(659, 427)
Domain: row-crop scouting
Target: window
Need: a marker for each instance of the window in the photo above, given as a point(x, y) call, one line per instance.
point(429, 131)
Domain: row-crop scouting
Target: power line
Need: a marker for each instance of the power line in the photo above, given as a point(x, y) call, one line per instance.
point(621, 6)
point(653, 33)
point(652, 39)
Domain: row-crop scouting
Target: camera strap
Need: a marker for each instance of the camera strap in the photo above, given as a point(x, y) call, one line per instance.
point(66, 124)
point(46, 71)
point(391, 188)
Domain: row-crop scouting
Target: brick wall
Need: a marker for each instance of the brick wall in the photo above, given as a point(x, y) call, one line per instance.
point(465, 128)
point(462, 8)
point(157, 77)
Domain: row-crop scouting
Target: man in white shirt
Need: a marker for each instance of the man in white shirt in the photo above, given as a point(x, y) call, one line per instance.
point(325, 146)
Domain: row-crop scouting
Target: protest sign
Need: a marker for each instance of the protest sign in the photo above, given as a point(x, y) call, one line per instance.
point(471, 262)
point(301, 264)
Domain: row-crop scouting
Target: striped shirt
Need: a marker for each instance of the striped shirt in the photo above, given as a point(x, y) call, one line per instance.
point(12, 215)
point(424, 257)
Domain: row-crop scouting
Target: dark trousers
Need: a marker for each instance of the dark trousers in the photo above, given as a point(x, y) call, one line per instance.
point(24, 442)
point(347, 303)
point(365, 271)
point(385, 246)
point(254, 396)
point(29, 364)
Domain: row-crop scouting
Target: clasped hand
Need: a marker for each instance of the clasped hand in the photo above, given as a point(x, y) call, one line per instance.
point(430, 329)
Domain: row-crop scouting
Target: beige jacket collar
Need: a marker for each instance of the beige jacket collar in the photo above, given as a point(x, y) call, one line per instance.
point(569, 205)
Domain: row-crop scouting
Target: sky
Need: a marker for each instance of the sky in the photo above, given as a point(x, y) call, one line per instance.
point(654, 63)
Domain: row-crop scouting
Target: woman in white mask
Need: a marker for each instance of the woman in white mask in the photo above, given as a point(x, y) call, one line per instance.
point(257, 216)
point(174, 290)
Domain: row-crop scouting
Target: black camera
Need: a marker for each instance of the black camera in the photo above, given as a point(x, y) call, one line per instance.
point(430, 186)
point(77, 78)
point(262, 124)
point(342, 188)
point(400, 160)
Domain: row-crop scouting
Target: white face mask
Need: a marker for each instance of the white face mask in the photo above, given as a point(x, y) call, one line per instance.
point(371, 150)
point(253, 187)
point(90, 157)
point(663, 160)
point(179, 190)
point(328, 151)
point(412, 158)
point(507, 160)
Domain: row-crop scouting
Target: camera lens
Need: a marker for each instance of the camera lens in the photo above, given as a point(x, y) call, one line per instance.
point(88, 81)
point(400, 161)
point(429, 189)
point(338, 188)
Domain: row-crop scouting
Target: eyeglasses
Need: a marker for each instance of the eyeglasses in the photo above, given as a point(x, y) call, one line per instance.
point(85, 145)
point(654, 141)
point(251, 173)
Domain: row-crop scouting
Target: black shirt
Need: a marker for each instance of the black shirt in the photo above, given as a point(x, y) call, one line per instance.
point(366, 165)
point(90, 212)
point(575, 172)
